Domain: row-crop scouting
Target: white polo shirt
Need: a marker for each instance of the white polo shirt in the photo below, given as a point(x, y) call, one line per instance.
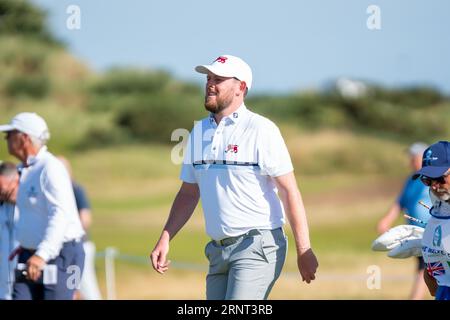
point(233, 164)
point(46, 203)
point(436, 242)
point(8, 217)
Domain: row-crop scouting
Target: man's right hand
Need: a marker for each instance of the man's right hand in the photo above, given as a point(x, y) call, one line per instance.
point(159, 254)
point(307, 265)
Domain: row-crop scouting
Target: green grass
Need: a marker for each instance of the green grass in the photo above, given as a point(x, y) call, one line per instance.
point(186, 247)
point(355, 237)
point(129, 203)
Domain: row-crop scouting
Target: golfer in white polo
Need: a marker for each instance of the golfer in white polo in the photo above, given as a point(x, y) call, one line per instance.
point(238, 164)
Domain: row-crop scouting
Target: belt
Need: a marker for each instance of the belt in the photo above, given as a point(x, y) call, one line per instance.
point(73, 241)
point(232, 240)
point(32, 251)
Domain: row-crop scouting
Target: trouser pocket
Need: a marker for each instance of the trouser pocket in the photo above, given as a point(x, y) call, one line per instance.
point(274, 245)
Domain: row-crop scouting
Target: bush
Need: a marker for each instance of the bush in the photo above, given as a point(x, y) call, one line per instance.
point(154, 118)
point(24, 65)
point(120, 88)
point(308, 110)
point(120, 82)
point(414, 97)
point(147, 105)
point(20, 17)
point(36, 86)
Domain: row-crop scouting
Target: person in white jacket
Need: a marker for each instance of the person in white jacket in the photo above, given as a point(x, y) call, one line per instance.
point(49, 230)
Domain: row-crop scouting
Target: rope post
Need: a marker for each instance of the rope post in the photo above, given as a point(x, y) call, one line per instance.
point(110, 255)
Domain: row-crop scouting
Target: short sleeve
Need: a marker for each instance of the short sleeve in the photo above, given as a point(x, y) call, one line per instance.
point(274, 159)
point(402, 198)
point(80, 197)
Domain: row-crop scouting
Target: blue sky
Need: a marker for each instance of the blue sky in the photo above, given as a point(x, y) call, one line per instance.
point(290, 45)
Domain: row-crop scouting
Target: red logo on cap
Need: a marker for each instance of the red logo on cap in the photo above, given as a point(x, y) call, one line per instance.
point(221, 59)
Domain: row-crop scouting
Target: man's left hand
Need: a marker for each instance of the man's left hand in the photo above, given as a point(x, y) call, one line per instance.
point(307, 265)
point(35, 265)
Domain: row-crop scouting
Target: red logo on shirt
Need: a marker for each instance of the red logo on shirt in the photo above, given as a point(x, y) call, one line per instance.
point(221, 59)
point(232, 148)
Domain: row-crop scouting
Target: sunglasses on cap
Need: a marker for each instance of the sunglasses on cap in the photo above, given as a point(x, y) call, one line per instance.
point(8, 134)
point(429, 181)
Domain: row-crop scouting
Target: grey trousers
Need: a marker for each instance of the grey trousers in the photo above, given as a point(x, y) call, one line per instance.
point(245, 267)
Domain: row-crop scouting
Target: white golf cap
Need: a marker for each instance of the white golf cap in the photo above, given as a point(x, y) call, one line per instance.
point(229, 66)
point(29, 123)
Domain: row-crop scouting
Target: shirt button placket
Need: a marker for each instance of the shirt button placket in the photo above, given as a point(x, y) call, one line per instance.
point(217, 139)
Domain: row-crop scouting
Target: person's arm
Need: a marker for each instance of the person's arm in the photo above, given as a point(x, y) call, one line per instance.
point(387, 221)
point(85, 218)
point(295, 211)
point(431, 283)
point(57, 191)
point(182, 208)
point(83, 205)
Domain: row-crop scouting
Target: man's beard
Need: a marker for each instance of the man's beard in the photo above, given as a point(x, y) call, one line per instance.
point(442, 194)
point(217, 105)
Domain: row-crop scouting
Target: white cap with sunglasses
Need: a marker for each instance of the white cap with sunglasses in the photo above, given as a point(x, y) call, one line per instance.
point(29, 123)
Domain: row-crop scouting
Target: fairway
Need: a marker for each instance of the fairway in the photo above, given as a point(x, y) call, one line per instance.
point(139, 282)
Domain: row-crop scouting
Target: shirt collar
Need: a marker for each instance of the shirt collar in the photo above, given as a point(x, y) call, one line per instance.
point(31, 160)
point(237, 115)
point(233, 118)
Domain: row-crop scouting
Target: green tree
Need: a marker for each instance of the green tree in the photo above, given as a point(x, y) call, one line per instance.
point(20, 17)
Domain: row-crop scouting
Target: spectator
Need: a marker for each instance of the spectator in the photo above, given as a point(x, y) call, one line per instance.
point(413, 191)
point(49, 230)
point(9, 182)
point(89, 288)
